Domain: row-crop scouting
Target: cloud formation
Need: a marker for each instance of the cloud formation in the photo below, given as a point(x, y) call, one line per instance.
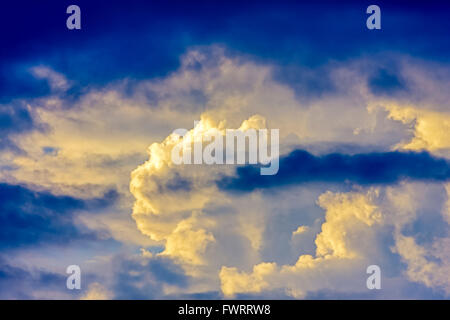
point(373, 168)
point(367, 181)
point(347, 244)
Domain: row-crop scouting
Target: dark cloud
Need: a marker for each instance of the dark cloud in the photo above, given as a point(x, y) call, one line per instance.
point(370, 168)
point(30, 217)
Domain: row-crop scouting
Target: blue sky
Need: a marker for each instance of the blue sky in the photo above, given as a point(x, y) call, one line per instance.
point(86, 117)
point(151, 36)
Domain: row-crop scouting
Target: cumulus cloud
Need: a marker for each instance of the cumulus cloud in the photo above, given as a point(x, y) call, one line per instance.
point(209, 232)
point(174, 215)
point(430, 128)
point(348, 218)
point(102, 134)
point(349, 241)
point(239, 242)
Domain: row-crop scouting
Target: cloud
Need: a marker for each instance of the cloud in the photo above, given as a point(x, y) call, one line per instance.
point(56, 80)
point(431, 129)
point(188, 242)
point(15, 119)
point(428, 262)
point(140, 278)
point(30, 218)
point(173, 214)
point(22, 283)
point(446, 211)
point(301, 166)
point(420, 265)
point(96, 292)
point(151, 53)
point(349, 217)
point(300, 230)
point(245, 238)
point(351, 238)
point(102, 134)
point(233, 281)
point(199, 234)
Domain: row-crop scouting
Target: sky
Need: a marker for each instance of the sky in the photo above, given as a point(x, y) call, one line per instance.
point(87, 176)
